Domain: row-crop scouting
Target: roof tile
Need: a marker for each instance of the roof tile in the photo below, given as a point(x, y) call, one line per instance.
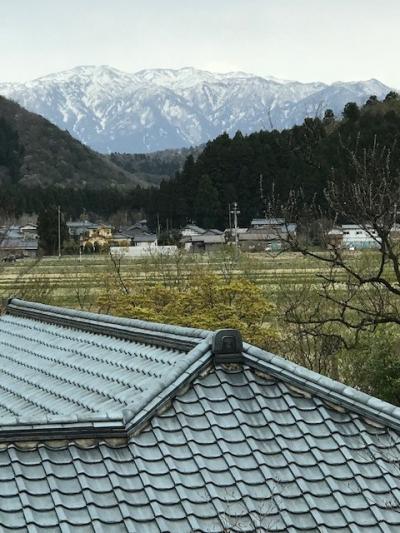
point(265, 444)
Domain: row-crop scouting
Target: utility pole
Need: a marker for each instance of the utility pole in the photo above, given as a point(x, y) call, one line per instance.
point(59, 230)
point(230, 219)
point(158, 225)
point(235, 212)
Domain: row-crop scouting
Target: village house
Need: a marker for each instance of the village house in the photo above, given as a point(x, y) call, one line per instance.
point(15, 231)
point(258, 240)
point(353, 237)
point(18, 241)
point(119, 239)
point(140, 234)
point(92, 235)
point(277, 226)
point(18, 248)
point(141, 244)
point(196, 239)
point(29, 231)
point(265, 234)
point(208, 241)
point(114, 424)
point(84, 229)
point(145, 239)
point(191, 230)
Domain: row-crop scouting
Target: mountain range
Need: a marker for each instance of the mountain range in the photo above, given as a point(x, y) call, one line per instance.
point(114, 111)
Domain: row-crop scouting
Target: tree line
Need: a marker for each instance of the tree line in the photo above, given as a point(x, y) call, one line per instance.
point(251, 169)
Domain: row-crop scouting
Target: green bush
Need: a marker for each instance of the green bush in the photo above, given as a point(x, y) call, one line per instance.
point(374, 365)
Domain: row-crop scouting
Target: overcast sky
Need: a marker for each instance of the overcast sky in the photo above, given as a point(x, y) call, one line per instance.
point(306, 40)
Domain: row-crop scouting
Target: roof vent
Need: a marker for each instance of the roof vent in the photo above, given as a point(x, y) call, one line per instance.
point(227, 346)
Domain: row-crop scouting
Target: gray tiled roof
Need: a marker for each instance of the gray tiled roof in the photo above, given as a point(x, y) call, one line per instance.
point(19, 244)
point(259, 444)
point(236, 448)
point(145, 237)
point(46, 370)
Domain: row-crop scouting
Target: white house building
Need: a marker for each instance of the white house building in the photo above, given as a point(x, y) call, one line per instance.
point(354, 237)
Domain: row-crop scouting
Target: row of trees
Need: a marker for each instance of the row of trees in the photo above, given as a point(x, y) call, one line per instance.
point(15, 200)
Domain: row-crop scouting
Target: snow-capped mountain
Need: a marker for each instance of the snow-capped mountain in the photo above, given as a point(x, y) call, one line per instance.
point(115, 111)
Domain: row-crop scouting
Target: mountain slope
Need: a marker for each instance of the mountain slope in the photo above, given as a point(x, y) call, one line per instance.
point(49, 156)
point(155, 166)
point(115, 111)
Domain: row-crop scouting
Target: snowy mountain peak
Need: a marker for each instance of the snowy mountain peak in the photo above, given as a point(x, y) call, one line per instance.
point(187, 77)
point(89, 74)
point(154, 109)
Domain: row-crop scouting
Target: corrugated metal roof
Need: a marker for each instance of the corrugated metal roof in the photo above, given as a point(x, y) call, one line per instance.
point(203, 447)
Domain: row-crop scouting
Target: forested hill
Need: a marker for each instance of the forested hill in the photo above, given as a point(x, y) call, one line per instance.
point(35, 153)
point(155, 166)
point(58, 170)
point(249, 169)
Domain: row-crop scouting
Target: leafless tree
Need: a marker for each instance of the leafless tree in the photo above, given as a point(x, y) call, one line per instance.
point(356, 291)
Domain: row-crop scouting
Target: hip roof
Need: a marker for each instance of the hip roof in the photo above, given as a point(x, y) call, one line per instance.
point(125, 425)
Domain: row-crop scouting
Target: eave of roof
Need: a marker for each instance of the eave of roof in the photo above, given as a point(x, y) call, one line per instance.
point(333, 391)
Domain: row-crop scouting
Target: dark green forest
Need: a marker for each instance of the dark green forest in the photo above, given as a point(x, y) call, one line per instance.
point(156, 166)
point(254, 169)
point(248, 169)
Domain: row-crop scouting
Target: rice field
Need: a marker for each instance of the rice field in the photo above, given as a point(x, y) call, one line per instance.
point(67, 280)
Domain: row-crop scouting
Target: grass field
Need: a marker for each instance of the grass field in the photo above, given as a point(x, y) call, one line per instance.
point(69, 280)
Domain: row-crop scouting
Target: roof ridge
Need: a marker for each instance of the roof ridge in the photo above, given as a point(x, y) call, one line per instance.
point(138, 413)
point(127, 328)
point(324, 387)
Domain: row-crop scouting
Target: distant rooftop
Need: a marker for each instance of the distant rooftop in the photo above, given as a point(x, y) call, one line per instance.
point(18, 244)
point(267, 221)
point(194, 228)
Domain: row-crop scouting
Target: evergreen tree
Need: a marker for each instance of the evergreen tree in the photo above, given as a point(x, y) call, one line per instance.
point(48, 231)
point(391, 95)
point(372, 100)
point(207, 205)
point(11, 150)
point(351, 112)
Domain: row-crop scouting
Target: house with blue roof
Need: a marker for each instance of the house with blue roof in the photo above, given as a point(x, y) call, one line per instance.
point(118, 425)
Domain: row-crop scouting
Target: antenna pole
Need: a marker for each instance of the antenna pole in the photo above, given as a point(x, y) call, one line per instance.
point(235, 212)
